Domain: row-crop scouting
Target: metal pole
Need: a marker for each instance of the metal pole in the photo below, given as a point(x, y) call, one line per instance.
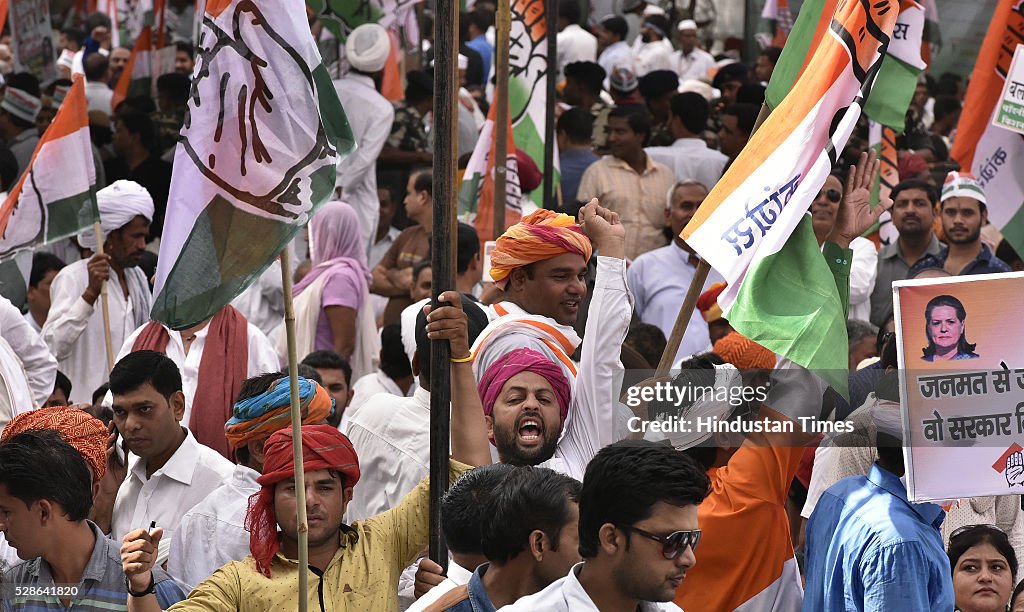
point(503, 26)
point(446, 89)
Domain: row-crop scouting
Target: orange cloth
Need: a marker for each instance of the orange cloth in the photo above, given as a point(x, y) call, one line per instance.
point(272, 410)
point(744, 353)
point(541, 235)
point(707, 303)
point(81, 430)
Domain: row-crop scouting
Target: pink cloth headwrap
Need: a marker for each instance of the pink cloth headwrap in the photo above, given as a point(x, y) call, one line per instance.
point(523, 360)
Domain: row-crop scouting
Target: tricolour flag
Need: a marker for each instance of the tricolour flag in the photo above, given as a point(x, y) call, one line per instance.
point(476, 193)
point(897, 78)
point(257, 156)
point(882, 139)
point(753, 227)
point(343, 16)
point(528, 93)
point(56, 197)
point(137, 77)
point(993, 154)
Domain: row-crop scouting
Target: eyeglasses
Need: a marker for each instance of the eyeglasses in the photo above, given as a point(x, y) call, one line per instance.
point(674, 543)
point(833, 195)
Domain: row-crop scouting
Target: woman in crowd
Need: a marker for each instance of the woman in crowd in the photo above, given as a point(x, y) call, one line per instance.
point(984, 568)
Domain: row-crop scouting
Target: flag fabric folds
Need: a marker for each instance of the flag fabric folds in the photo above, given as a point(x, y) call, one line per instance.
point(56, 196)
point(256, 157)
point(753, 227)
point(137, 77)
point(476, 193)
point(993, 154)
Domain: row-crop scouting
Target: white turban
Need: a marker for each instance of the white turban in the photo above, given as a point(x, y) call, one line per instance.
point(408, 321)
point(118, 203)
point(887, 418)
point(726, 377)
point(687, 24)
point(367, 48)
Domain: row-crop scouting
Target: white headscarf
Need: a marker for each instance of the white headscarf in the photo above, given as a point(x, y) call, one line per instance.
point(118, 204)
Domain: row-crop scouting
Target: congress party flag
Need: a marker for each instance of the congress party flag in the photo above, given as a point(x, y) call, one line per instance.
point(343, 16)
point(994, 154)
point(476, 193)
point(257, 155)
point(753, 227)
point(136, 78)
point(882, 139)
point(56, 196)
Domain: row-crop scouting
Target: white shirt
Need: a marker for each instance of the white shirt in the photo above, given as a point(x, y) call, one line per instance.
point(457, 576)
point(98, 97)
point(40, 367)
point(391, 436)
point(189, 476)
point(617, 54)
point(567, 595)
point(74, 329)
point(213, 532)
point(693, 65)
point(863, 271)
point(691, 159)
point(660, 279)
point(575, 45)
point(372, 384)
point(262, 303)
point(262, 358)
point(370, 116)
point(657, 55)
point(32, 323)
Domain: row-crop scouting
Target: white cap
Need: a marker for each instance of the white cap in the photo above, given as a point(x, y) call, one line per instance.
point(687, 24)
point(367, 48)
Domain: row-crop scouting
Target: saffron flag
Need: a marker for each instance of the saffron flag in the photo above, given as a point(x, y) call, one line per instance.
point(882, 139)
point(527, 95)
point(993, 154)
point(56, 196)
point(257, 156)
point(137, 76)
point(753, 227)
point(476, 193)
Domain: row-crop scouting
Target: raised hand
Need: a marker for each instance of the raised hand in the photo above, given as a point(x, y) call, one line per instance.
point(604, 229)
point(1015, 469)
point(856, 215)
point(138, 555)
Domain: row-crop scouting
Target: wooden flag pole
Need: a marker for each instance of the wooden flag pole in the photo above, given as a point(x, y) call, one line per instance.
point(690, 301)
point(300, 476)
point(446, 89)
point(104, 305)
point(503, 27)
point(551, 18)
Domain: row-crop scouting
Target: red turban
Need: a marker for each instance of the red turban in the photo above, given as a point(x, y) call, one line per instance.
point(84, 432)
point(744, 353)
point(515, 362)
point(541, 235)
point(708, 305)
point(323, 448)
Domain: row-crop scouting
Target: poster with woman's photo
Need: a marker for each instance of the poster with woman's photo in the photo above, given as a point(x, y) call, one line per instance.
point(961, 358)
point(32, 38)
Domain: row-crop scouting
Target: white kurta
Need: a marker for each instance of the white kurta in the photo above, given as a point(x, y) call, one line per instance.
point(188, 477)
point(575, 45)
point(567, 595)
point(40, 367)
point(262, 358)
point(74, 329)
point(213, 531)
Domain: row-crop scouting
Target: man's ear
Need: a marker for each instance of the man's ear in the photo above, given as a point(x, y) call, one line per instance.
point(178, 405)
point(537, 545)
point(516, 279)
point(256, 449)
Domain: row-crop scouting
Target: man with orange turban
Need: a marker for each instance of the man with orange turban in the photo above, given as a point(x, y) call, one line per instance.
point(213, 531)
point(541, 264)
point(84, 432)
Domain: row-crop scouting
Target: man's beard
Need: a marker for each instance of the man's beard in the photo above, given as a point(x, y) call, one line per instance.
point(510, 452)
point(970, 238)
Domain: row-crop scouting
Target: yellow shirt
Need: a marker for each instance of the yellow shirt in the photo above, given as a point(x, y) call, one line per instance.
point(363, 575)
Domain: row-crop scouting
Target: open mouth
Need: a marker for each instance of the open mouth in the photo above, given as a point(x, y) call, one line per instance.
point(531, 431)
point(571, 304)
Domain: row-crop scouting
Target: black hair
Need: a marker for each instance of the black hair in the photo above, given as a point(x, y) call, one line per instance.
point(692, 110)
point(9, 170)
point(481, 19)
point(418, 86)
point(962, 346)
point(746, 115)
point(647, 340)
point(95, 67)
point(751, 93)
point(418, 267)
point(1004, 251)
point(590, 75)
point(975, 535)
point(467, 247)
point(187, 48)
point(569, 10)
point(96, 20)
point(175, 86)
point(926, 187)
point(577, 124)
point(660, 22)
point(139, 123)
point(529, 498)
point(142, 367)
point(37, 465)
point(462, 507)
point(63, 383)
point(424, 181)
point(75, 35)
point(639, 122)
point(100, 393)
point(394, 362)
point(946, 105)
point(1016, 593)
point(650, 472)
point(329, 360)
point(42, 264)
point(135, 104)
point(28, 83)
point(306, 371)
point(616, 26)
point(476, 322)
point(772, 53)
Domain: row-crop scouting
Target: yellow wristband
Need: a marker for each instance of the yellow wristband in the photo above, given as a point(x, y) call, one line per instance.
point(465, 359)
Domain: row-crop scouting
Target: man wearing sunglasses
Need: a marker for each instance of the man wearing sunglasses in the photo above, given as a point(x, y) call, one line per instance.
point(638, 532)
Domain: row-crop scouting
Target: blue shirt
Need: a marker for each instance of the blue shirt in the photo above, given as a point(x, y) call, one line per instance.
point(572, 163)
point(984, 263)
point(868, 548)
point(486, 51)
point(478, 601)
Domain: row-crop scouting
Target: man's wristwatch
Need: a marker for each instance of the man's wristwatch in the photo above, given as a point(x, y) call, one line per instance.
point(149, 590)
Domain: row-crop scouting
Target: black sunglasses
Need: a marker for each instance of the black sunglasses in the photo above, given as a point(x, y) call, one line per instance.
point(833, 195)
point(674, 543)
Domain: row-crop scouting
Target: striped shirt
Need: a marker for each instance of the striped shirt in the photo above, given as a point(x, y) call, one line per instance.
point(101, 589)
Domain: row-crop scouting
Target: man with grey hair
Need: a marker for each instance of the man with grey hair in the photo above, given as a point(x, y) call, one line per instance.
point(862, 336)
point(660, 278)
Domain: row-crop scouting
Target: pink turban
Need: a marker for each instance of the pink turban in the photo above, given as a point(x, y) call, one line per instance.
point(515, 362)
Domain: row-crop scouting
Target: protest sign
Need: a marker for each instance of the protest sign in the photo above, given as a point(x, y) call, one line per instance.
point(1010, 108)
point(32, 38)
point(961, 385)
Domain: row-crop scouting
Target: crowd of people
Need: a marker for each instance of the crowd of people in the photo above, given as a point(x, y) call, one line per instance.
point(168, 481)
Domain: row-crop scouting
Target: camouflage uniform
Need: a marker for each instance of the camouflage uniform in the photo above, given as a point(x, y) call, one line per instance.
point(661, 135)
point(600, 112)
point(407, 130)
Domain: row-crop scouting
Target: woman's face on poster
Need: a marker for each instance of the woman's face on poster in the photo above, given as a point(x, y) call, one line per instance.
point(944, 327)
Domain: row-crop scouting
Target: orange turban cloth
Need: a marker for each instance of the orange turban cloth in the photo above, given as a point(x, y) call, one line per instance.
point(82, 431)
point(541, 235)
point(744, 353)
point(707, 303)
